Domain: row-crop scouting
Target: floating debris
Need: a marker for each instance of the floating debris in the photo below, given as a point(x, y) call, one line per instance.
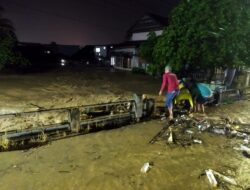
point(215, 178)
point(246, 141)
point(189, 132)
point(218, 131)
point(242, 148)
point(211, 178)
point(145, 168)
point(225, 178)
point(186, 130)
point(197, 141)
point(170, 138)
point(245, 148)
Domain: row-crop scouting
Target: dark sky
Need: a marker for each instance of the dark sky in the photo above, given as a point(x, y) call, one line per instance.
point(78, 22)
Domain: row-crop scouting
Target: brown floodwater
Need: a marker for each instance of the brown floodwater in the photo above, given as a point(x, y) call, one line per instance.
point(112, 159)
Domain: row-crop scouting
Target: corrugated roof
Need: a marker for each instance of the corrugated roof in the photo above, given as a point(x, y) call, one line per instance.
point(149, 22)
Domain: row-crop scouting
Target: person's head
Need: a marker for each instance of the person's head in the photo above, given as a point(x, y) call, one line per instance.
point(167, 69)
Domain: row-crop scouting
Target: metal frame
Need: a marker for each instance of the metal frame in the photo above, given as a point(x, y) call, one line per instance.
point(112, 114)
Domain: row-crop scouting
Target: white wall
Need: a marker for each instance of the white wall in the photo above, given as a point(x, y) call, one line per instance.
point(143, 35)
point(135, 61)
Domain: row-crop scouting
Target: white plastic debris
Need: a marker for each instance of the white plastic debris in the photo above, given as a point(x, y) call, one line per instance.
point(197, 141)
point(189, 132)
point(244, 148)
point(219, 131)
point(145, 167)
point(225, 178)
point(234, 132)
point(170, 138)
point(241, 135)
point(211, 178)
point(199, 127)
point(246, 141)
point(163, 118)
point(203, 127)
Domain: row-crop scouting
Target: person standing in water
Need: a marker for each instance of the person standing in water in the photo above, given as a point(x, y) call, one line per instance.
point(169, 84)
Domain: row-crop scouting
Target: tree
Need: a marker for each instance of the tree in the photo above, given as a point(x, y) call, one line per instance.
point(5, 24)
point(146, 52)
point(207, 34)
point(8, 42)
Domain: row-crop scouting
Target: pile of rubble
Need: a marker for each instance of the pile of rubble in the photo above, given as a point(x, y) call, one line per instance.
point(187, 130)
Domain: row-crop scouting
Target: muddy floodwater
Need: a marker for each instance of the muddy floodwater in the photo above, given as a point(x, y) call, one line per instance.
point(112, 159)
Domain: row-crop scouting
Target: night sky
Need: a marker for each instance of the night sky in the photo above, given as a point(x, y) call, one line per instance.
point(79, 22)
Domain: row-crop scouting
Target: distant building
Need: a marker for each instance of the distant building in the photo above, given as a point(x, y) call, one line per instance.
point(85, 55)
point(125, 56)
point(46, 55)
point(94, 54)
point(66, 50)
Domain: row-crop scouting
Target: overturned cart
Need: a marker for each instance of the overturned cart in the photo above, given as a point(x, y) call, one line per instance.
point(19, 130)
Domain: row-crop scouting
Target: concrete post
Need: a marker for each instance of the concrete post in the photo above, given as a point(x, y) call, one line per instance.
point(74, 118)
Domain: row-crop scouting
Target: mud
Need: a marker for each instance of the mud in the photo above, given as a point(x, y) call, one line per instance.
point(112, 159)
point(23, 93)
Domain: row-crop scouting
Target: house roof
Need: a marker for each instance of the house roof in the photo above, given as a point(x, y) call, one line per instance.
point(147, 23)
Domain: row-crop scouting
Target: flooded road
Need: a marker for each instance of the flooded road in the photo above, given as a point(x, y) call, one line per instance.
point(70, 88)
point(112, 159)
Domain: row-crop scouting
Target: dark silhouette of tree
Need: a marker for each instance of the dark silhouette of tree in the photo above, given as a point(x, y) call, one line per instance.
point(6, 25)
point(8, 41)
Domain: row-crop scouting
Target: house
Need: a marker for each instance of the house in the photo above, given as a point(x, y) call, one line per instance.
point(125, 56)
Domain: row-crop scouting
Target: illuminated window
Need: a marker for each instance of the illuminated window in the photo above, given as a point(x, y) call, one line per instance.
point(97, 50)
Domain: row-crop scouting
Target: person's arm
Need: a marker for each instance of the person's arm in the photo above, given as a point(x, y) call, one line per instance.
point(164, 84)
point(177, 82)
